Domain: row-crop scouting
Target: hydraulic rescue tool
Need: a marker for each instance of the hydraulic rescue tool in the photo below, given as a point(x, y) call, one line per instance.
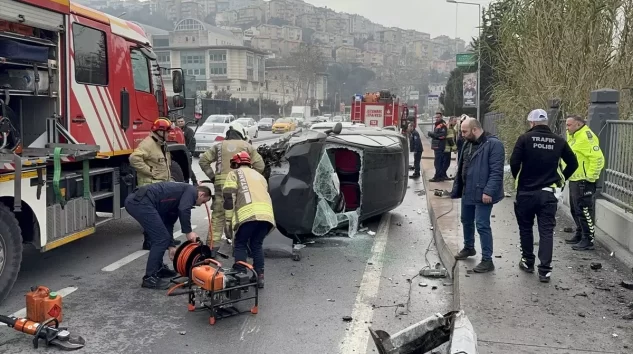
point(52, 336)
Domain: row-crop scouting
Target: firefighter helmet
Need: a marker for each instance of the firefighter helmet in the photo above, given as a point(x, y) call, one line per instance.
point(237, 128)
point(162, 124)
point(241, 158)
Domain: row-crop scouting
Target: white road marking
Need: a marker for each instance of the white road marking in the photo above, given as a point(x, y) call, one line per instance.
point(63, 292)
point(179, 232)
point(123, 261)
point(357, 337)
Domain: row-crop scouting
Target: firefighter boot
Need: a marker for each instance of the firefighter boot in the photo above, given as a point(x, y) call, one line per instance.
point(586, 244)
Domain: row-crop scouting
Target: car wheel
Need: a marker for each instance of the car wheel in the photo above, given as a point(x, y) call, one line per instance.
point(10, 250)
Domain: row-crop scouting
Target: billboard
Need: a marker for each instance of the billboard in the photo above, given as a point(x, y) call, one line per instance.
point(414, 95)
point(374, 115)
point(470, 90)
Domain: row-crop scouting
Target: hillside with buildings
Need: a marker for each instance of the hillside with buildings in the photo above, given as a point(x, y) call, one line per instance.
point(243, 47)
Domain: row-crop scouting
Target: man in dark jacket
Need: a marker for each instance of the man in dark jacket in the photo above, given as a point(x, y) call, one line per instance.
point(535, 166)
point(479, 184)
point(415, 146)
point(190, 143)
point(438, 144)
point(156, 207)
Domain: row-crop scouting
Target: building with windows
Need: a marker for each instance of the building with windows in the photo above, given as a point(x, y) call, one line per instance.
point(215, 57)
point(284, 85)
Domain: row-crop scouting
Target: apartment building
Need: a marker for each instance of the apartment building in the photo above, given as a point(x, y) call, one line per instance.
point(389, 35)
point(359, 24)
point(444, 66)
point(214, 56)
point(373, 59)
point(327, 51)
point(348, 54)
point(337, 25)
point(226, 18)
point(250, 14)
point(313, 21)
point(333, 39)
point(282, 9)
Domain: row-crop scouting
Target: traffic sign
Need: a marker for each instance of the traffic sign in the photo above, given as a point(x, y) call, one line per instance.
point(465, 60)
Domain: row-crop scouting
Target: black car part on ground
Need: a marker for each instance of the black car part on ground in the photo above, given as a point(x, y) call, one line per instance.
point(318, 182)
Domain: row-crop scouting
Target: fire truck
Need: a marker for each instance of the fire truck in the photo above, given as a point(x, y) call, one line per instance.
point(382, 109)
point(79, 90)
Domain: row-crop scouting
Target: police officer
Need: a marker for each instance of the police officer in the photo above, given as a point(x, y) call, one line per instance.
point(152, 161)
point(156, 207)
point(438, 145)
point(582, 185)
point(535, 166)
point(246, 191)
point(415, 146)
point(219, 156)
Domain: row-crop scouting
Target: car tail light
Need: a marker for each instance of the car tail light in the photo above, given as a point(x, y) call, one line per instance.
point(219, 138)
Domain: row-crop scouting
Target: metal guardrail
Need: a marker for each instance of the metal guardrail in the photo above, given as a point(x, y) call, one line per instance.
point(618, 170)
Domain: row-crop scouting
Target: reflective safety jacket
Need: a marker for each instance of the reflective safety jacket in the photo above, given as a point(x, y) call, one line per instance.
point(221, 154)
point(451, 139)
point(586, 146)
point(152, 161)
point(245, 193)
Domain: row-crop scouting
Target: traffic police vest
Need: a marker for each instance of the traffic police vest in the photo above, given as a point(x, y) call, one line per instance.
point(586, 146)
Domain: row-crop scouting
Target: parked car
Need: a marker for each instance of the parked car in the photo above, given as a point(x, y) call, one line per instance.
point(209, 134)
point(250, 125)
point(322, 180)
point(219, 118)
point(266, 124)
point(283, 125)
point(300, 122)
point(337, 119)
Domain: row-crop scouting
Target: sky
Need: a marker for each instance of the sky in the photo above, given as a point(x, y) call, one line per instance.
point(436, 17)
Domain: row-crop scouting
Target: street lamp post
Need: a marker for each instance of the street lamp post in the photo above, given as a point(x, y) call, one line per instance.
point(478, 53)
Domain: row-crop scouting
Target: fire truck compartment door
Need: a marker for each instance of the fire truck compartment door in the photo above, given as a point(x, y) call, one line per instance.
point(14, 11)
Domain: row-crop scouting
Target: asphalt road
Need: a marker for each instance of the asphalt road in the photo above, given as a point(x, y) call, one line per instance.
point(300, 310)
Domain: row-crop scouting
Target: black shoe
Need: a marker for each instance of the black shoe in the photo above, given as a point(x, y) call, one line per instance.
point(146, 245)
point(415, 175)
point(525, 266)
point(583, 245)
point(155, 282)
point(465, 253)
point(177, 242)
point(260, 281)
point(165, 272)
point(435, 179)
point(544, 277)
point(574, 240)
point(484, 267)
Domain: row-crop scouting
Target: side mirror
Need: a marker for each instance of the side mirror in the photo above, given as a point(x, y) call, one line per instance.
point(178, 101)
point(177, 81)
point(337, 128)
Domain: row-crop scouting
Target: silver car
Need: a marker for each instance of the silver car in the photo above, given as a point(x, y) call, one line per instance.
point(208, 135)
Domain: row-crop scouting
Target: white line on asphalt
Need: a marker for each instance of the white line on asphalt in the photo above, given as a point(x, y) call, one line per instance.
point(357, 337)
point(123, 261)
point(63, 292)
point(179, 232)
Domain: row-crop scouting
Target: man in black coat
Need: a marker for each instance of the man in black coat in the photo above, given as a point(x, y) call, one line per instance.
point(190, 143)
point(438, 144)
point(415, 146)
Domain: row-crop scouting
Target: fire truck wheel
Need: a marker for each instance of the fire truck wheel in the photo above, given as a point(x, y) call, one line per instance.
point(10, 250)
point(176, 172)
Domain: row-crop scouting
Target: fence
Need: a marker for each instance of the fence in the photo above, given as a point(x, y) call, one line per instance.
point(618, 172)
point(616, 141)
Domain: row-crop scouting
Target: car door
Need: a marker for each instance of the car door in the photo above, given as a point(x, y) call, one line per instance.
point(146, 106)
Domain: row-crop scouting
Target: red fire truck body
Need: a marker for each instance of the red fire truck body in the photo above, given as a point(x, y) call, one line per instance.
point(79, 90)
point(383, 113)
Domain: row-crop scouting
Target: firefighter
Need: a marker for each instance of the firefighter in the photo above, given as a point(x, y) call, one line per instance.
point(535, 166)
point(582, 185)
point(152, 161)
point(219, 156)
point(249, 212)
point(156, 207)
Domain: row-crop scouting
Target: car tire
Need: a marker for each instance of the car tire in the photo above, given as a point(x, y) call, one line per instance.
point(176, 172)
point(11, 250)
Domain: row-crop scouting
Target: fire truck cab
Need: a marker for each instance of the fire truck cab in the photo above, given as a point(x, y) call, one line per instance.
point(79, 90)
point(382, 109)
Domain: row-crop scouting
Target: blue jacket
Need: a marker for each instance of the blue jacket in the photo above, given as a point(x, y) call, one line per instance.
point(415, 144)
point(172, 200)
point(485, 173)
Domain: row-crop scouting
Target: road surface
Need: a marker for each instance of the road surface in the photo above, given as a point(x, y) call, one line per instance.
point(301, 308)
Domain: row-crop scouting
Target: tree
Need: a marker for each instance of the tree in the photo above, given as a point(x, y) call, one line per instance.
point(222, 95)
point(559, 49)
point(346, 80)
point(306, 61)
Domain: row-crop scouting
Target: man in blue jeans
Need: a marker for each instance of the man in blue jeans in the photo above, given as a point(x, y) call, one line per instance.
point(479, 184)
